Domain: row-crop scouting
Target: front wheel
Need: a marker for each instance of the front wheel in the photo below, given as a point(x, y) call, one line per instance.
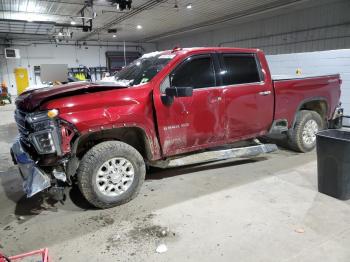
point(302, 137)
point(110, 174)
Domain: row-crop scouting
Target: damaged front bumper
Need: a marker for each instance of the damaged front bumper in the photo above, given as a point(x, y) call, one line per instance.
point(35, 179)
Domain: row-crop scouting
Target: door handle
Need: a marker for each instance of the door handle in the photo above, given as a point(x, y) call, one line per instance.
point(215, 100)
point(264, 93)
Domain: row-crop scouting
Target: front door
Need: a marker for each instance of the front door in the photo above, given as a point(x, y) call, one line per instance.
point(191, 123)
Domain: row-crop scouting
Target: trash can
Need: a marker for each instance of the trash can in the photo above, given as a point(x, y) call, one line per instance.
point(333, 163)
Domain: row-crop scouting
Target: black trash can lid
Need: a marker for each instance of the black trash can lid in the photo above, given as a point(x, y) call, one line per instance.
point(337, 134)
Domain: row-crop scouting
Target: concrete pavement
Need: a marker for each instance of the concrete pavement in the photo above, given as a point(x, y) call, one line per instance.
point(261, 209)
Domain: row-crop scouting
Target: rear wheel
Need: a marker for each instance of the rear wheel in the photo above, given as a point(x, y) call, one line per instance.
point(302, 137)
point(110, 174)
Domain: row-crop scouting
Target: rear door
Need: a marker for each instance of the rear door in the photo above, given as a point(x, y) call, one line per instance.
point(191, 123)
point(249, 99)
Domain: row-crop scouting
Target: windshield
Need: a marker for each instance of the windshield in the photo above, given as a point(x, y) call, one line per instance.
point(142, 70)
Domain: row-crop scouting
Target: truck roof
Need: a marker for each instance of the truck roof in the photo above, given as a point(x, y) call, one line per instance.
point(179, 50)
point(230, 49)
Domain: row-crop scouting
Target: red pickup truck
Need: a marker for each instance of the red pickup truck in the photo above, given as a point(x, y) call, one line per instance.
point(165, 109)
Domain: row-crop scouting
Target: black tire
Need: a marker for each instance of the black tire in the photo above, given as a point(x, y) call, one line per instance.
point(94, 159)
point(295, 135)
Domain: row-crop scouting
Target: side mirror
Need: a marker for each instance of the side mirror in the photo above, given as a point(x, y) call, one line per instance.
point(179, 91)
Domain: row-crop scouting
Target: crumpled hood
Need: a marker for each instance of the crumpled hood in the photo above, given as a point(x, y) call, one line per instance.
point(31, 100)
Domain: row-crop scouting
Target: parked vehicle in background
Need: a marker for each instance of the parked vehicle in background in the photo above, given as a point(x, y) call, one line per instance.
point(5, 96)
point(162, 110)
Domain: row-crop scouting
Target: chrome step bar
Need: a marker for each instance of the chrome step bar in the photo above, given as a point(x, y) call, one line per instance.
point(210, 156)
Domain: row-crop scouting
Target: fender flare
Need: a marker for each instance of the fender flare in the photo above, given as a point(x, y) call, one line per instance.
point(151, 141)
point(303, 102)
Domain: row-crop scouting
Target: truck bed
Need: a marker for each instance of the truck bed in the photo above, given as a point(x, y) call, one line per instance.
point(293, 91)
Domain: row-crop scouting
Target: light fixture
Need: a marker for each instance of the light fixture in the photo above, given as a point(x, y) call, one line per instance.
point(122, 4)
point(60, 33)
point(139, 27)
point(114, 36)
point(112, 30)
point(189, 6)
point(73, 22)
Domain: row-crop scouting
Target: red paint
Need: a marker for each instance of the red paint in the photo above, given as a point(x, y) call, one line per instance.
point(67, 135)
point(290, 94)
point(190, 123)
point(249, 114)
point(30, 100)
point(126, 107)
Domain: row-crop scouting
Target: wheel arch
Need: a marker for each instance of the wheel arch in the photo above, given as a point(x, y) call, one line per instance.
point(317, 104)
point(133, 136)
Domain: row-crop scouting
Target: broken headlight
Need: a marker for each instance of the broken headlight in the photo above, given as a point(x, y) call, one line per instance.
point(42, 125)
point(45, 133)
point(44, 142)
point(38, 121)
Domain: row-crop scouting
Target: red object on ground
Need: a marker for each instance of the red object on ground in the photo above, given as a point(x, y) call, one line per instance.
point(44, 253)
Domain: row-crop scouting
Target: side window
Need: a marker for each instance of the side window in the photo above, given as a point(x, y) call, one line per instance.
point(240, 69)
point(197, 72)
point(165, 84)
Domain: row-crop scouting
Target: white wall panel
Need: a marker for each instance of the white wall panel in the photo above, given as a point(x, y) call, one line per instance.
point(324, 62)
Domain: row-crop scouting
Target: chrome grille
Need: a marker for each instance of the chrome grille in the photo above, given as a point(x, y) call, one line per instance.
point(20, 118)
